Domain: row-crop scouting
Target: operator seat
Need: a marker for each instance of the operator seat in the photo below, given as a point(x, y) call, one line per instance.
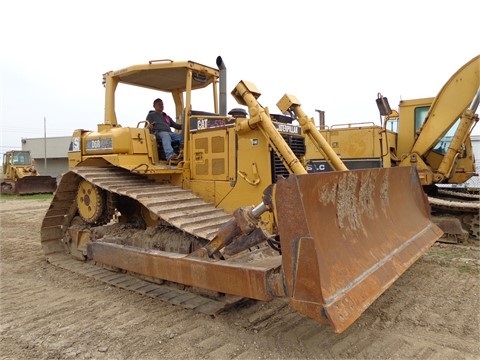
point(161, 153)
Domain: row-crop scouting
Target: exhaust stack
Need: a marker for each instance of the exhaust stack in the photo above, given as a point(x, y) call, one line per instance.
point(223, 85)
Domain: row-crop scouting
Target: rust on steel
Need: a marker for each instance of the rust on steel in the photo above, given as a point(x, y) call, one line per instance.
point(348, 237)
point(255, 282)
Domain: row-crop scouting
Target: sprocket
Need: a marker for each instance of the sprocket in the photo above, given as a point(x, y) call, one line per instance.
point(95, 206)
point(472, 222)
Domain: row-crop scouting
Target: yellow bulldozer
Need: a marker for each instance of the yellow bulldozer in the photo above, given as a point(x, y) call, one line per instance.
point(239, 217)
point(430, 134)
point(19, 175)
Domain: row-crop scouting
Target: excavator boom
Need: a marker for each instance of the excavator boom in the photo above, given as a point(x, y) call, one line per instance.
point(452, 100)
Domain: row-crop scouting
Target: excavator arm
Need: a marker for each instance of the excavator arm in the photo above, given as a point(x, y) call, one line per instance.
point(468, 119)
point(458, 98)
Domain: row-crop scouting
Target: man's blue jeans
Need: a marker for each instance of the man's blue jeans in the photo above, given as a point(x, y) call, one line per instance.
point(167, 138)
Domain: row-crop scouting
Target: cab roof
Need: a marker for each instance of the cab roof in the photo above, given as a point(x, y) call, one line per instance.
point(165, 75)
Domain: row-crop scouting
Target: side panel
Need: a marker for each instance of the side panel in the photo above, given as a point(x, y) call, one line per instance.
point(227, 169)
point(124, 147)
point(359, 147)
point(210, 155)
point(349, 143)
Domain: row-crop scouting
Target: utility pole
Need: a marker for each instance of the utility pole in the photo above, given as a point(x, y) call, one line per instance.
point(45, 141)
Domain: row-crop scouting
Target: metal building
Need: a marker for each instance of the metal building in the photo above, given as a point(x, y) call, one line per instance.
point(50, 154)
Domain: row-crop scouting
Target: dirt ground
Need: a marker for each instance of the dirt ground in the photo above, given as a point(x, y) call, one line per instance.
point(431, 312)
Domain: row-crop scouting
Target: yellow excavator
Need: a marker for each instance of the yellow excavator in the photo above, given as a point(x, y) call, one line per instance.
point(430, 134)
point(20, 177)
point(239, 217)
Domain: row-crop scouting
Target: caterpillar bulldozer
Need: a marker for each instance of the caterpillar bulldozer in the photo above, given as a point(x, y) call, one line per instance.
point(239, 217)
point(431, 134)
point(20, 177)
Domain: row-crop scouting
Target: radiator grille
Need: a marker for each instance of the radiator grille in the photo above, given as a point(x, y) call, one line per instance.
point(297, 144)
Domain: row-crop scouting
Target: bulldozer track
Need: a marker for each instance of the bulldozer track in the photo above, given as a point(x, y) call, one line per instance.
point(171, 203)
point(455, 206)
point(469, 206)
point(183, 298)
point(459, 194)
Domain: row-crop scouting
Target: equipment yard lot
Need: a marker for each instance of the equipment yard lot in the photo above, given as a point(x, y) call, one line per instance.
point(431, 312)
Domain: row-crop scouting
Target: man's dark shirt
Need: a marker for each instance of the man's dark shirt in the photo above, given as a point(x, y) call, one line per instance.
point(162, 122)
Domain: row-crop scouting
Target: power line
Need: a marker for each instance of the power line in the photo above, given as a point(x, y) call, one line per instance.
point(31, 130)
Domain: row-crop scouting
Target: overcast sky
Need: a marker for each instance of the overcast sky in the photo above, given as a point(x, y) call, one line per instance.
point(332, 55)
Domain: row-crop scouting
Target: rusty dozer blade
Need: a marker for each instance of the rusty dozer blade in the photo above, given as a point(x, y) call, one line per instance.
point(347, 236)
point(35, 185)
